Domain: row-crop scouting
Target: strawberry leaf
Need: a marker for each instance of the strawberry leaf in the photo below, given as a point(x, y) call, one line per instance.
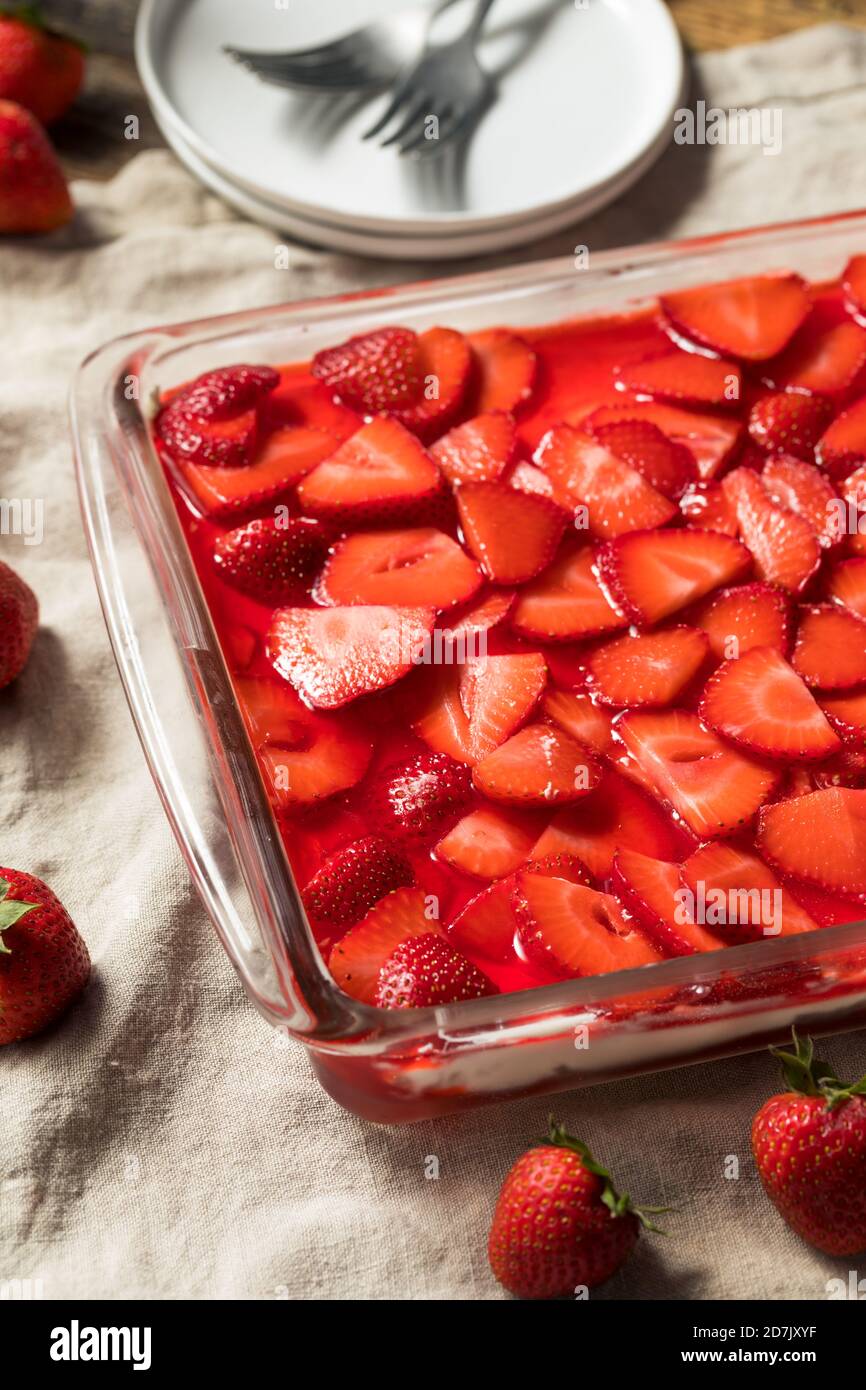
point(11, 911)
point(802, 1071)
point(617, 1203)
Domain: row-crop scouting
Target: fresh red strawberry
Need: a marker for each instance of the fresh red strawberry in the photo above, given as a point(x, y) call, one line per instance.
point(426, 972)
point(683, 376)
point(486, 926)
point(710, 439)
point(478, 451)
point(830, 652)
point(803, 488)
point(479, 617)
point(854, 286)
point(820, 838)
point(226, 492)
point(750, 615)
point(270, 562)
point(40, 70)
point(411, 799)
point(419, 568)
point(783, 545)
point(579, 716)
point(304, 757)
point(214, 421)
point(470, 709)
point(842, 446)
point(333, 655)
point(574, 930)
point(33, 192)
point(846, 714)
point(536, 1255)
point(751, 319)
point(525, 477)
point(847, 513)
point(650, 669)
point(446, 364)
point(540, 766)
point(358, 957)
point(706, 507)
point(652, 574)
point(512, 535)
point(44, 964)
point(380, 471)
point(616, 816)
point(809, 1145)
point(714, 788)
point(585, 474)
point(374, 373)
point(667, 466)
point(19, 620)
point(789, 424)
point(827, 365)
point(736, 895)
point(353, 880)
point(505, 371)
point(651, 892)
point(489, 843)
point(759, 702)
point(846, 768)
point(847, 585)
point(827, 909)
point(567, 604)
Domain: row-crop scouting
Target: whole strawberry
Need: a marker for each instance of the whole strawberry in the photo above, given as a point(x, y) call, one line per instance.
point(33, 192)
point(425, 971)
point(559, 1224)
point(44, 964)
point(19, 619)
point(40, 70)
point(810, 1149)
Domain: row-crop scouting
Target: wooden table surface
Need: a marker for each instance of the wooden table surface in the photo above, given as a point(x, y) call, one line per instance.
point(91, 139)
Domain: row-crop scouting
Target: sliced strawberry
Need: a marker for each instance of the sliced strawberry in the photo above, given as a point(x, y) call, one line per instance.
point(714, 788)
point(303, 756)
point(710, 439)
point(667, 466)
point(848, 767)
point(540, 766)
point(375, 372)
point(478, 451)
point(214, 421)
point(751, 615)
point(586, 474)
point(652, 574)
point(525, 477)
point(353, 880)
point(846, 515)
point(270, 562)
point(512, 535)
point(467, 711)
point(616, 816)
point(580, 717)
point(789, 424)
point(566, 604)
point(751, 319)
point(842, 446)
point(783, 545)
point(488, 843)
point(854, 287)
point(380, 471)
point(487, 925)
point(826, 909)
point(847, 715)
point(820, 838)
point(827, 365)
point(358, 957)
point(505, 368)
point(414, 569)
point(575, 931)
point(803, 488)
point(411, 799)
point(706, 507)
point(831, 647)
point(650, 669)
point(480, 617)
point(683, 376)
point(760, 703)
point(651, 892)
point(738, 897)
point(240, 645)
point(286, 457)
point(445, 362)
point(333, 655)
point(426, 972)
point(847, 585)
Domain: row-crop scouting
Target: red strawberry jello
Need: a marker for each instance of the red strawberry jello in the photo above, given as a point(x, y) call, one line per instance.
point(550, 644)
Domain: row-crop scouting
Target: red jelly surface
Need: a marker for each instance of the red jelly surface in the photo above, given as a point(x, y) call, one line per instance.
point(741, 729)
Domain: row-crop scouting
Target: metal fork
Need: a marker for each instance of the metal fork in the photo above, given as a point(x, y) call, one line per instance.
point(447, 83)
point(366, 59)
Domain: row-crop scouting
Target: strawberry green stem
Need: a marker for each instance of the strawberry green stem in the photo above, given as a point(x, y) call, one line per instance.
point(617, 1203)
point(804, 1073)
point(11, 911)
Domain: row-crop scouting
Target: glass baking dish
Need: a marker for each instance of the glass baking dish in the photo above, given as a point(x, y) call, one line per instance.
point(390, 1066)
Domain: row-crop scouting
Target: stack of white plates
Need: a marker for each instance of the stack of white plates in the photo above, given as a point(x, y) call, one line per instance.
point(588, 92)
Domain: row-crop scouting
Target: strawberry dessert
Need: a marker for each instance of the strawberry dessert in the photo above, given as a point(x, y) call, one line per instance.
point(550, 644)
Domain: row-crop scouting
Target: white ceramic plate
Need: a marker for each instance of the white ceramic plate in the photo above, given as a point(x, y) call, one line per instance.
point(588, 105)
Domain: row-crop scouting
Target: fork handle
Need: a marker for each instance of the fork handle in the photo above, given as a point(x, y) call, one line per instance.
point(482, 10)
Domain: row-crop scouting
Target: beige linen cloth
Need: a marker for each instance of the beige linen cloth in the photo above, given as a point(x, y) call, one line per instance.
point(163, 1142)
